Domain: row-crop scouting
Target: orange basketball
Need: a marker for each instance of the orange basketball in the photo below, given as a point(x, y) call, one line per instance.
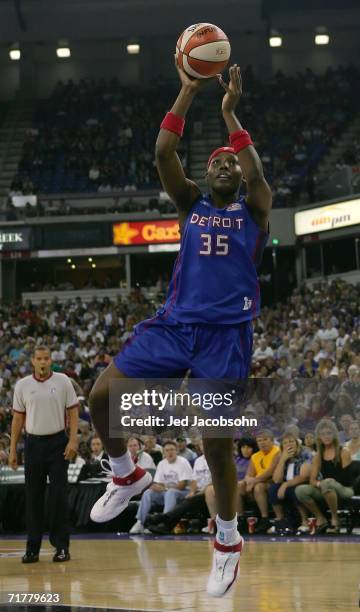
point(203, 50)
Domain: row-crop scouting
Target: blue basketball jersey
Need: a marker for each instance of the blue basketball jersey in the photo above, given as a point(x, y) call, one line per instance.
point(214, 278)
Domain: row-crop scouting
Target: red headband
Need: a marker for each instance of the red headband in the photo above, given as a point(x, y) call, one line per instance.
point(218, 151)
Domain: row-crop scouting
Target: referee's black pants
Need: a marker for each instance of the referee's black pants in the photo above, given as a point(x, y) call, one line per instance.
point(44, 456)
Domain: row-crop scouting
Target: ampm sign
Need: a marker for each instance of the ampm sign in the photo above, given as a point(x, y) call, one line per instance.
point(329, 217)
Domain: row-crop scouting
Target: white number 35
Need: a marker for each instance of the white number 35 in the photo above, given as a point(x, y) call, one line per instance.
point(219, 245)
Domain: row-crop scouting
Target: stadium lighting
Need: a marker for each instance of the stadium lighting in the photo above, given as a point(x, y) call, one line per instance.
point(73, 267)
point(93, 265)
point(275, 39)
point(14, 52)
point(133, 48)
point(321, 36)
point(90, 259)
point(69, 260)
point(63, 49)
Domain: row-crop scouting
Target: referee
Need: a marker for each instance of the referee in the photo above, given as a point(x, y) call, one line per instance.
point(43, 402)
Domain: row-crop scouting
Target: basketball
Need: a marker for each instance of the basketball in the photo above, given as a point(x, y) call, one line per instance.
point(203, 50)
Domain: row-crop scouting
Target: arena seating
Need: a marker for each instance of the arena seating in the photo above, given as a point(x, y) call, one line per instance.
point(99, 136)
point(305, 363)
point(94, 136)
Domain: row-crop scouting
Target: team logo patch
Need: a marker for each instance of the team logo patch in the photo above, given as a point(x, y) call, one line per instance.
point(235, 206)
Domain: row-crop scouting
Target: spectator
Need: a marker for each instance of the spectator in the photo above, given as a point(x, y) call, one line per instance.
point(139, 456)
point(330, 478)
point(246, 446)
point(262, 351)
point(194, 502)
point(170, 485)
point(153, 449)
point(293, 468)
point(97, 450)
point(345, 421)
point(184, 451)
point(258, 478)
point(309, 442)
point(352, 386)
point(353, 444)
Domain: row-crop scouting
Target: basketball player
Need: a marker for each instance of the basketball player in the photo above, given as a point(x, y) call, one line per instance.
point(206, 322)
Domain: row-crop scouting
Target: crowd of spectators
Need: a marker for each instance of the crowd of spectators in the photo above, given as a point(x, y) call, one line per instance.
point(306, 366)
point(294, 120)
point(351, 155)
point(93, 136)
point(98, 136)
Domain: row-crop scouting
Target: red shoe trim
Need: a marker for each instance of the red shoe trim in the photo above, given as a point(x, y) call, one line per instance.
point(226, 549)
point(130, 478)
point(235, 574)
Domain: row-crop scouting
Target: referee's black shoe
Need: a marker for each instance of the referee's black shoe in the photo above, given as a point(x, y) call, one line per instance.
point(30, 557)
point(61, 555)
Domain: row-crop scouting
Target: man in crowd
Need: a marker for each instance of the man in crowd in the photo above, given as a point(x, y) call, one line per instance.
point(171, 482)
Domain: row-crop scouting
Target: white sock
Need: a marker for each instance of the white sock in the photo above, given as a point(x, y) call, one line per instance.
point(227, 532)
point(122, 466)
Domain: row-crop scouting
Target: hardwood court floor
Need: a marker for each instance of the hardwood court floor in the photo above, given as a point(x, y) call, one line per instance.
point(157, 574)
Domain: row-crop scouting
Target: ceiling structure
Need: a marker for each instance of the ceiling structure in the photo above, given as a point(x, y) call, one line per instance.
point(44, 20)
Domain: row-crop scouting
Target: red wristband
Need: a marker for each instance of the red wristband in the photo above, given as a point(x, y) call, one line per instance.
point(239, 140)
point(173, 123)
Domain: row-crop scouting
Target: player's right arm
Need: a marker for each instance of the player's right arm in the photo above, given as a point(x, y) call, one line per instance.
point(17, 425)
point(181, 190)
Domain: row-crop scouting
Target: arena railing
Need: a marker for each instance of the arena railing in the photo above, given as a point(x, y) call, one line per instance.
point(85, 295)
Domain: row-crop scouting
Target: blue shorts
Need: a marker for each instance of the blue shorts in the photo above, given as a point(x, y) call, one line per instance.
point(164, 348)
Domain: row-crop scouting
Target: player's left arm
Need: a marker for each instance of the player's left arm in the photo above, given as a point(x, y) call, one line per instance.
point(259, 198)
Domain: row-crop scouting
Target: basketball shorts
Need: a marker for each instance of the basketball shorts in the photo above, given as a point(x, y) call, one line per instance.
point(165, 348)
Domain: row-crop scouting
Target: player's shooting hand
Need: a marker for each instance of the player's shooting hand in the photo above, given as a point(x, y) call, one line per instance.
point(71, 449)
point(233, 89)
point(194, 85)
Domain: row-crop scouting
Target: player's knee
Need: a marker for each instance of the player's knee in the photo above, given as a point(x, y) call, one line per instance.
point(218, 453)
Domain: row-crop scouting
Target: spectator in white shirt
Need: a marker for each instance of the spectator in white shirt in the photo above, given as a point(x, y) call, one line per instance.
point(284, 348)
point(57, 354)
point(170, 485)
point(329, 333)
point(263, 351)
point(194, 503)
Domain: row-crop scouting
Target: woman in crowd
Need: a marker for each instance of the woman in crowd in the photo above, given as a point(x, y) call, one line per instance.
point(330, 477)
point(353, 445)
point(309, 442)
point(246, 446)
point(292, 469)
point(139, 455)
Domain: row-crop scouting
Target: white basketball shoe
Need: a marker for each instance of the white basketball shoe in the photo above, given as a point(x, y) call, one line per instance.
point(118, 494)
point(225, 568)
